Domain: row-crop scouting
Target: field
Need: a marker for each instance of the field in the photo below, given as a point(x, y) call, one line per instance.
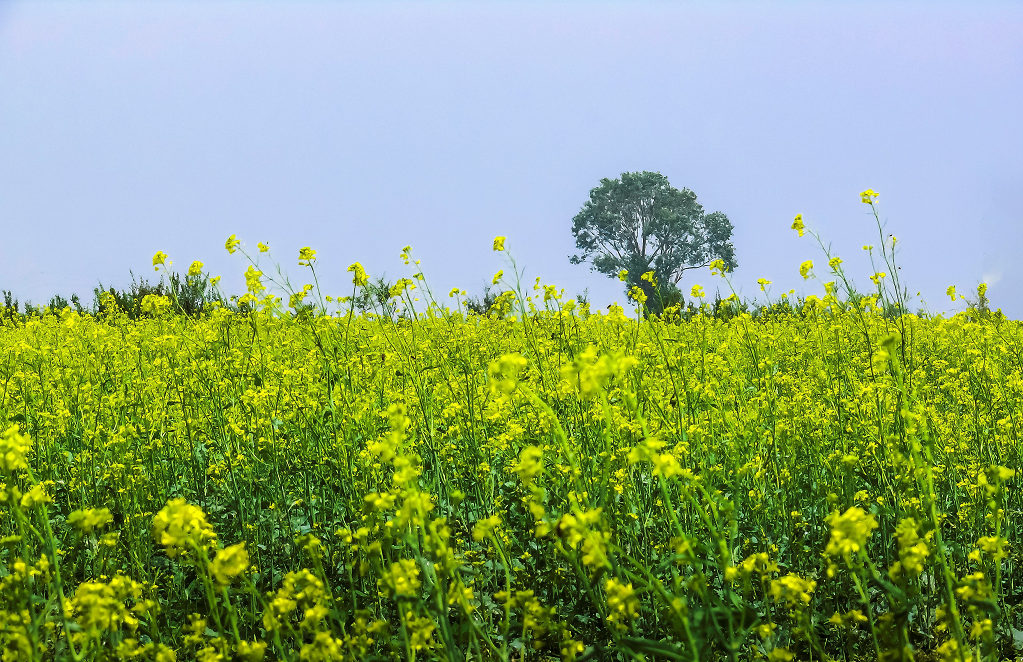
point(829, 482)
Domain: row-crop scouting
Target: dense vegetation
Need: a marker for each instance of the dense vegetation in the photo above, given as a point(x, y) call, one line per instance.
point(832, 482)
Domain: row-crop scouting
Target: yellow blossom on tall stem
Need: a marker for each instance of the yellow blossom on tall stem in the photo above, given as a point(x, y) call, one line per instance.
point(499, 243)
point(306, 256)
point(805, 268)
point(360, 278)
point(253, 281)
point(797, 224)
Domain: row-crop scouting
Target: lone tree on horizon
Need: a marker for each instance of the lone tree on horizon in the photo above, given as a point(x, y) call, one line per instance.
point(639, 223)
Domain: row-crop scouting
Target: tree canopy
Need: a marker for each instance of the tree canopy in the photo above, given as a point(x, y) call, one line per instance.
point(639, 222)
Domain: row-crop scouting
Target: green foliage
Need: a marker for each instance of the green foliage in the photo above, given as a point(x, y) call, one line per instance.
point(191, 295)
point(482, 305)
point(640, 223)
point(10, 312)
point(375, 297)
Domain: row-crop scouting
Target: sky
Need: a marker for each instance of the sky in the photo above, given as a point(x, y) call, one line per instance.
point(358, 128)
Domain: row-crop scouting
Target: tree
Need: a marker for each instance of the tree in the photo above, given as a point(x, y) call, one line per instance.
point(481, 305)
point(639, 223)
point(375, 296)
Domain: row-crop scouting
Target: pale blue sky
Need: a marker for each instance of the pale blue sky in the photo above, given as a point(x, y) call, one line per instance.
point(357, 128)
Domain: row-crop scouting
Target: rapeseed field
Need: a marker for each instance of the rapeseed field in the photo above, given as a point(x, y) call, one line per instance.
point(828, 481)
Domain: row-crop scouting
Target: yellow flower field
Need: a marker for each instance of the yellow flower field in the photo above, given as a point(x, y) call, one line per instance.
point(830, 482)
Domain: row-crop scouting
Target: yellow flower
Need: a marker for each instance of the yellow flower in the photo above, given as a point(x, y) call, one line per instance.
point(402, 579)
point(499, 243)
point(637, 294)
point(400, 286)
point(1001, 474)
point(232, 244)
point(504, 372)
point(834, 262)
point(623, 275)
point(195, 269)
point(582, 530)
point(182, 528)
point(485, 527)
point(645, 451)
point(912, 550)
point(263, 248)
point(101, 606)
point(13, 450)
point(300, 589)
point(797, 224)
point(306, 256)
point(793, 590)
point(622, 603)
point(666, 465)
point(497, 277)
point(763, 283)
point(530, 464)
point(649, 277)
point(90, 519)
point(36, 496)
point(951, 292)
point(760, 564)
point(805, 268)
point(994, 546)
point(323, 648)
point(868, 197)
point(849, 531)
point(296, 299)
point(229, 563)
point(698, 292)
point(421, 628)
point(158, 259)
point(251, 651)
point(360, 278)
point(252, 280)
